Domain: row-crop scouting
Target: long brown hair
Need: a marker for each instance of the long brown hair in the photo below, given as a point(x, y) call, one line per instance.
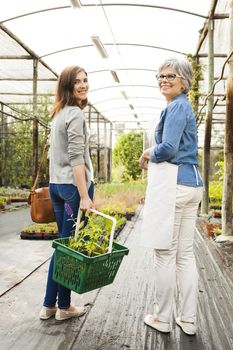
point(65, 90)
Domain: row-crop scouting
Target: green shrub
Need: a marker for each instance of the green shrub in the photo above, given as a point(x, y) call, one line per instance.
point(126, 153)
point(2, 200)
point(215, 192)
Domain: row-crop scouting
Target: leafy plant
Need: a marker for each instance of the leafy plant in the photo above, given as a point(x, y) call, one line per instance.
point(16, 145)
point(217, 231)
point(92, 236)
point(212, 229)
point(126, 153)
point(93, 239)
point(215, 192)
point(2, 201)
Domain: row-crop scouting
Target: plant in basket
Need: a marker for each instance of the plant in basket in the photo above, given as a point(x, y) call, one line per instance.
point(92, 236)
point(93, 239)
point(90, 259)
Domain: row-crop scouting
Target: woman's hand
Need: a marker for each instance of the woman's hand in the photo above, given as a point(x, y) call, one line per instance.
point(145, 157)
point(86, 204)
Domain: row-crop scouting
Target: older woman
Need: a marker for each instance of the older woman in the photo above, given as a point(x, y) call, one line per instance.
point(172, 199)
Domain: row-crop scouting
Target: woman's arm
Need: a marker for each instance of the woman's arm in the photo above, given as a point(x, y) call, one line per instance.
point(173, 129)
point(76, 149)
point(80, 179)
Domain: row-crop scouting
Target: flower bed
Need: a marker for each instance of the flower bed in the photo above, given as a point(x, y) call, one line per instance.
point(119, 198)
point(14, 194)
point(40, 231)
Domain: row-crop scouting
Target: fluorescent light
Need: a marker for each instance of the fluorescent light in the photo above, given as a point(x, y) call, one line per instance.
point(99, 46)
point(115, 76)
point(123, 93)
point(131, 106)
point(76, 4)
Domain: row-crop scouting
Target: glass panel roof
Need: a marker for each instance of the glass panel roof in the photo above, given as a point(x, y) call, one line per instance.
point(137, 36)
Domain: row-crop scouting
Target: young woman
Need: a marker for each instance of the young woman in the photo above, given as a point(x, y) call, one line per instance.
point(172, 199)
point(71, 175)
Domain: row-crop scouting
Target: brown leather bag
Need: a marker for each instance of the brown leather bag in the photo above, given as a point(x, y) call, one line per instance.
point(41, 205)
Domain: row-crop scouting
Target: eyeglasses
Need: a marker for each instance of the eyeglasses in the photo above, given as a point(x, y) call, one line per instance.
point(169, 77)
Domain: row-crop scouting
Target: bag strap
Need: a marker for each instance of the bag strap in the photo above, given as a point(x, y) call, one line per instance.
point(40, 166)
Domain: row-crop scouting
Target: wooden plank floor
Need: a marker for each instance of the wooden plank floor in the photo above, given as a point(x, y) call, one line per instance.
point(116, 312)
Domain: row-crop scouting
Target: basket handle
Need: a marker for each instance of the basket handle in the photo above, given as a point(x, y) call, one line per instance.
point(105, 216)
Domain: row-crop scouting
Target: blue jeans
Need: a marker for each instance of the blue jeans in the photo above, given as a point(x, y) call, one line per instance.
point(61, 194)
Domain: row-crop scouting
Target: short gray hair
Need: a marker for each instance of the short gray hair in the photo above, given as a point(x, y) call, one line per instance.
point(182, 67)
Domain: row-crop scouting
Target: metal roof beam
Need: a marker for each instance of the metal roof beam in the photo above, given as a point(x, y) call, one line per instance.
point(120, 86)
point(24, 94)
point(120, 98)
point(14, 57)
point(113, 44)
point(27, 79)
point(103, 5)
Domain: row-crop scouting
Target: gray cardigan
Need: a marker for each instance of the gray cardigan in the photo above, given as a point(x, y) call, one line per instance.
point(69, 146)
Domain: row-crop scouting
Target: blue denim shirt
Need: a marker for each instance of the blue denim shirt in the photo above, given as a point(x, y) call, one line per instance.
point(176, 138)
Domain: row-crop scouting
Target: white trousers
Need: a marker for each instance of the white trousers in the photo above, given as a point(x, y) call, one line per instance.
point(177, 266)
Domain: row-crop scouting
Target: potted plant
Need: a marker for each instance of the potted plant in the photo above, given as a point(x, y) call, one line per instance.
point(211, 229)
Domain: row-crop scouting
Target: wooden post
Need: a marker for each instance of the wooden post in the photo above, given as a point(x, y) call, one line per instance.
point(35, 122)
point(208, 122)
point(227, 231)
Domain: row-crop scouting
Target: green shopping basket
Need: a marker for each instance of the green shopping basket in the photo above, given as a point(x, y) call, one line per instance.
point(82, 273)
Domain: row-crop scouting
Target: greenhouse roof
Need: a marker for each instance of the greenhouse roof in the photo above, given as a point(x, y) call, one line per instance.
point(119, 43)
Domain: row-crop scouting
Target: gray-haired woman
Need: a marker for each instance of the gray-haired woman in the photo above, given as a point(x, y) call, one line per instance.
point(172, 199)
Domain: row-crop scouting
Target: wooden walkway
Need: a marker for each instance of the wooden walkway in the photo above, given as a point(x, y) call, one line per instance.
point(116, 312)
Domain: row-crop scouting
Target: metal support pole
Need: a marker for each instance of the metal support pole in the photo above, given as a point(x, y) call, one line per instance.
point(144, 146)
point(35, 122)
point(105, 153)
point(208, 122)
point(2, 159)
point(89, 116)
point(110, 154)
point(98, 147)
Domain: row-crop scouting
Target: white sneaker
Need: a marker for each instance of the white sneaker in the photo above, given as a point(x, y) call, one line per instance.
point(73, 311)
point(187, 327)
point(47, 312)
point(152, 321)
